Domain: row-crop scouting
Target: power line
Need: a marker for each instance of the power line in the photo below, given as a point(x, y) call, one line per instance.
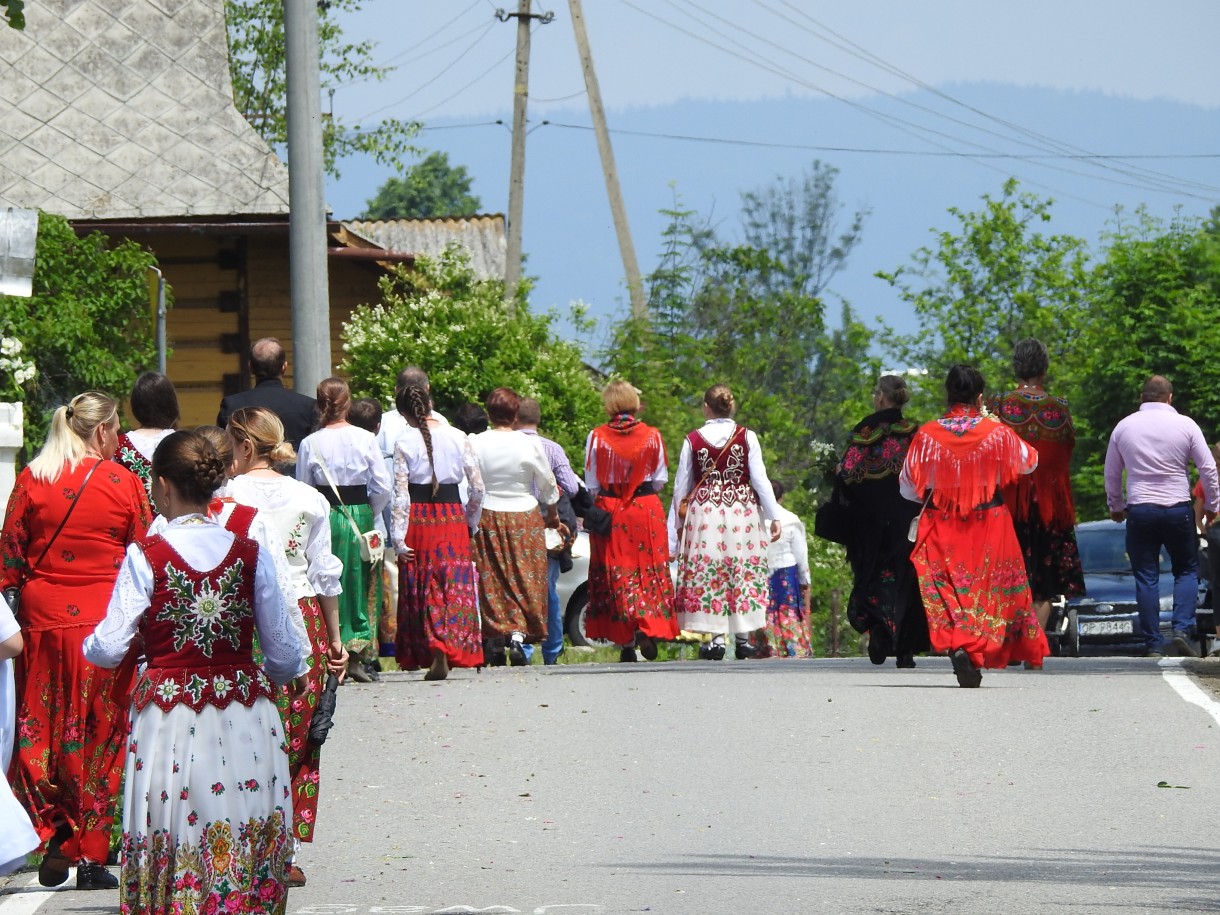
point(449, 66)
point(850, 47)
point(730, 141)
point(424, 41)
point(894, 121)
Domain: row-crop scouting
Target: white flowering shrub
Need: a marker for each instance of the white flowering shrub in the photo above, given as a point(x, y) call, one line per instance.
point(16, 371)
point(439, 315)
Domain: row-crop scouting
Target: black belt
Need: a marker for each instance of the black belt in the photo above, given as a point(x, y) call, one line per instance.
point(645, 489)
point(445, 492)
point(994, 502)
point(351, 495)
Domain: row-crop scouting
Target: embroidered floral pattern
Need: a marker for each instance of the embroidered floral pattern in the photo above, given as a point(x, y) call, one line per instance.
point(205, 614)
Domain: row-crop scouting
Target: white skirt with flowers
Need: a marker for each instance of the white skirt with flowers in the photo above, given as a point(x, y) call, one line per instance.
point(723, 581)
point(207, 812)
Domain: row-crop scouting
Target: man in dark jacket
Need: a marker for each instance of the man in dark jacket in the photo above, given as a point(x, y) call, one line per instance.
point(268, 363)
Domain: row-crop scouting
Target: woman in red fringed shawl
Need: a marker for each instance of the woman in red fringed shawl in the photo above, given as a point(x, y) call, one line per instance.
point(1043, 512)
point(631, 596)
point(971, 573)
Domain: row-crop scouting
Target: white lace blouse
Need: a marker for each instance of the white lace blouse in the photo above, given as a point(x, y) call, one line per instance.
point(300, 516)
point(354, 459)
point(203, 543)
point(513, 464)
point(455, 462)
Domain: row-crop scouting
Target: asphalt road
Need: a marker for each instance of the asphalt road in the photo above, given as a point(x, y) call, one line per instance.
point(760, 787)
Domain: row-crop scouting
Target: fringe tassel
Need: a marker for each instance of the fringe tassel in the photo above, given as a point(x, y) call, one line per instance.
point(964, 472)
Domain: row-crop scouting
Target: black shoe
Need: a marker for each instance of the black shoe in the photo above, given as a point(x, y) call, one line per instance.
point(373, 669)
point(495, 656)
point(90, 876)
point(626, 654)
point(743, 651)
point(715, 651)
point(878, 645)
point(1182, 646)
point(54, 867)
point(356, 671)
point(968, 676)
point(647, 646)
point(516, 654)
point(906, 660)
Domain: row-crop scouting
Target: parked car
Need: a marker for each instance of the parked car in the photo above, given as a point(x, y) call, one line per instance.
point(1106, 619)
point(573, 590)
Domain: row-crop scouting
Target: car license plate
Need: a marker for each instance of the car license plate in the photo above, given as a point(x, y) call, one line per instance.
point(1106, 627)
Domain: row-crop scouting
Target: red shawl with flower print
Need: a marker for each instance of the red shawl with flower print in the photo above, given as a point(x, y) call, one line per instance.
point(963, 457)
point(1045, 424)
point(625, 452)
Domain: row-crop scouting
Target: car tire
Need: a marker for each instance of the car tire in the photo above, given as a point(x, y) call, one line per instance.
point(574, 618)
point(1069, 642)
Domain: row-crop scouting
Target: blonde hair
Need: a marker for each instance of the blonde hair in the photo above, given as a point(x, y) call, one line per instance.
point(262, 429)
point(620, 397)
point(71, 428)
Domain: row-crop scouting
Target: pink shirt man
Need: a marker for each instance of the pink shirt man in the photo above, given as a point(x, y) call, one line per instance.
point(1154, 446)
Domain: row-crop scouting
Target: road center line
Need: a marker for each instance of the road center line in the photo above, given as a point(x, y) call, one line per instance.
point(27, 900)
point(1185, 687)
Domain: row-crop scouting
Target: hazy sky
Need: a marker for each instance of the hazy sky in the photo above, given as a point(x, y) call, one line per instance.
point(860, 81)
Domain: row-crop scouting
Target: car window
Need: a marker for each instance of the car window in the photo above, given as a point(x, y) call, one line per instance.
point(1105, 551)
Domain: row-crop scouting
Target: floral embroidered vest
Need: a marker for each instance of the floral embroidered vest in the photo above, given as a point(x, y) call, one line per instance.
point(723, 473)
point(130, 457)
point(199, 630)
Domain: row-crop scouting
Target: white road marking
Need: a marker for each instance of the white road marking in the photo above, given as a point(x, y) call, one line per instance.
point(31, 896)
point(1171, 670)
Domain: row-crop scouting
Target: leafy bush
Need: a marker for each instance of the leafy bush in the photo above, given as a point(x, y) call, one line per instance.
point(440, 316)
point(88, 325)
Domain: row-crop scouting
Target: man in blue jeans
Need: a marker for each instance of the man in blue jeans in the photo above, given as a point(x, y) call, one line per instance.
point(529, 414)
point(1155, 447)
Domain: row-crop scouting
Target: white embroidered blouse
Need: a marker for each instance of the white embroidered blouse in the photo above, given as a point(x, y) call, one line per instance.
point(353, 457)
point(510, 462)
point(455, 462)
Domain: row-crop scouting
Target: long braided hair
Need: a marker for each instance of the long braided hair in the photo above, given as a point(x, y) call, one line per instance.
point(415, 404)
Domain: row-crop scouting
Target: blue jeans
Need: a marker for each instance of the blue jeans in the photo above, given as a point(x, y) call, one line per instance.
point(1149, 527)
point(552, 645)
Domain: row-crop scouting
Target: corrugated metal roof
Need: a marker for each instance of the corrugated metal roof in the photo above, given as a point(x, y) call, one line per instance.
point(482, 236)
point(119, 109)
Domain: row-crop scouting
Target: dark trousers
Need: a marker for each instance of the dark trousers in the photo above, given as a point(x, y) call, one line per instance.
point(1150, 527)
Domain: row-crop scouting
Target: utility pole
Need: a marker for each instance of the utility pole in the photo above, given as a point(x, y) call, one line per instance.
point(631, 267)
point(307, 208)
point(516, 176)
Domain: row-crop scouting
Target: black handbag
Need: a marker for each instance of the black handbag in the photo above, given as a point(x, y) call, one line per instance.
point(832, 521)
point(598, 521)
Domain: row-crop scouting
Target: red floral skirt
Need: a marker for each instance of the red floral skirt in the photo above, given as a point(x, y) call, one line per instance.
point(297, 714)
point(71, 734)
point(974, 588)
point(438, 604)
point(629, 583)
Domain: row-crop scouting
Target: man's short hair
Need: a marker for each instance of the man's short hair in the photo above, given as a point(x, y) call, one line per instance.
point(411, 375)
point(1157, 389)
point(528, 412)
point(267, 358)
point(365, 413)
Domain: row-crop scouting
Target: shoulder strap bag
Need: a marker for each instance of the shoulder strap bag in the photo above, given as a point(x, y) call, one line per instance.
point(12, 596)
point(372, 547)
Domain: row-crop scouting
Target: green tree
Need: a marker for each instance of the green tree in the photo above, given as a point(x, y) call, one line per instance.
point(260, 87)
point(1154, 312)
point(88, 325)
point(429, 188)
point(14, 13)
point(993, 280)
point(439, 315)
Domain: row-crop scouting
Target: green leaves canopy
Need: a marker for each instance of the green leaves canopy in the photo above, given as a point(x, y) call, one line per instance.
point(430, 188)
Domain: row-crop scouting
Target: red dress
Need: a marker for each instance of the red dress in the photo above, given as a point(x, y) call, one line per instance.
point(629, 584)
point(68, 761)
point(971, 572)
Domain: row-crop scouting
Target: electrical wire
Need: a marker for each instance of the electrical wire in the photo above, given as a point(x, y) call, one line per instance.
point(850, 47)
point(902, 124)
point(1148, 183)
point(424, 41)
point(418, 89)
point(562, 98)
